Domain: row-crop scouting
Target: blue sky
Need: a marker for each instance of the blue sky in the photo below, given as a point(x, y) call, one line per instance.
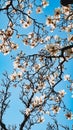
point(12, 115)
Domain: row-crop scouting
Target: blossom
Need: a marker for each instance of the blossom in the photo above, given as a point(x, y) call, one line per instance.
point(5, 49)
point(26, 23)
point(38, 10)
point(36, 67)
point(41, 85)
point(37, 101)
point(41, 119)
point(69, 115)
point(20, 74)
point(48, 21)
point(13, 76)
point(9, 32)
point(27, 112)
point(57, 13)
point(52, 48)
point(47, 38)
point(51, 79)
point(33, 44)
point(44, 3)
point(25, 40)
point(31, 35)
point(27, 86)
point(62, 93)
point(66, 77)
point(65, 10)
point(29, 12)
point(55, 109)
point(16, 64)
point(14, 46)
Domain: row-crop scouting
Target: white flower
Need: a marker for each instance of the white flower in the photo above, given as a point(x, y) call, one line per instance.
point(62, 93)
point(69, 115)
point(37, 101)
point(48, 38)
point(20, 74)
point(41, 119)
point(16, 64)
point(27, 111)
point(52, 48)
point(39, 10)
point(13, 76)
point(66, 77)
point(55, 109)
point(45, 3)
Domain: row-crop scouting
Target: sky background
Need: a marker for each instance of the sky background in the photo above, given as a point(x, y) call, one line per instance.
point(12, 115)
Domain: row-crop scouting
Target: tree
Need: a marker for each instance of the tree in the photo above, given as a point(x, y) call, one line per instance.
point(38, 74)
point(66, 2)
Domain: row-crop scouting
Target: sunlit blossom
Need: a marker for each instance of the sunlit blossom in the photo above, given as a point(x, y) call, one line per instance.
point(69, 115)
point(55, 109)
point(66, 77)
point(41, 119)
point(27, 112)
point(39, 10)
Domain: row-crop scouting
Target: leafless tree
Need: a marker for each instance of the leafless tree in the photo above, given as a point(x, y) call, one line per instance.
point(38, 74)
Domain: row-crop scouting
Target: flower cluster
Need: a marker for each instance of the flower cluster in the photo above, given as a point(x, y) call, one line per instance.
point(6, 44)
point(27, 23)
point(38, 101)
point(53, 49)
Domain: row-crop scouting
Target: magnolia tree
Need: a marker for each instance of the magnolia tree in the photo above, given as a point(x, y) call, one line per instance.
point(38, 74)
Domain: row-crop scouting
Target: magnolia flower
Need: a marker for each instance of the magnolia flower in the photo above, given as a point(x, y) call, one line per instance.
point(9, 32)
point(66, 77)
point(33, 44)
point(69, 115)
point(26, 41)
point(66, 9)
point(41, 85)
point(37, 101)
point(27, 86)
point(26, 23)
point(52, 48)
point(49, 21)
point(31, 35)
point(41, 119)
point(36, 67)
point(45, 3)
point(55, 109)
point(14, 46)
point(13, 76)
point(16, 64)
point(29, 12)
point(20, 74)
point(39, 10)
point(48, 38)
point(5, 50)
point(52, 80)
point(27, 112)
point(62, 93)
point(57, 13)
